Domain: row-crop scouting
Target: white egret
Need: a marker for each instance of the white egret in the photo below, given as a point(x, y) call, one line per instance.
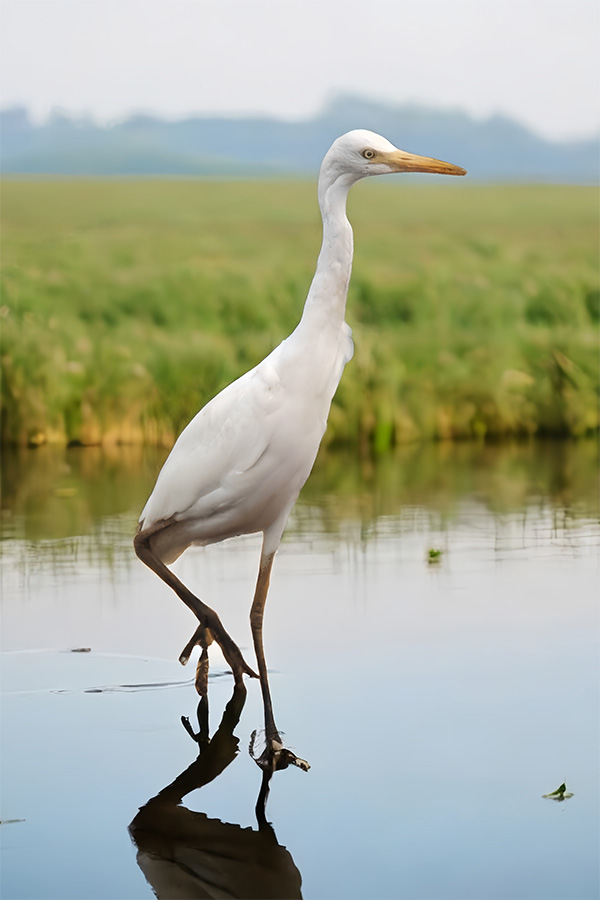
point(239, 465)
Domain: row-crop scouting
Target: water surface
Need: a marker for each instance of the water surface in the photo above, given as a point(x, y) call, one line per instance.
point(436, 701)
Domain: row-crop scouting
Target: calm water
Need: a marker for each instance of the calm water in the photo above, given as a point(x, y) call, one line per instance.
point(436, 702)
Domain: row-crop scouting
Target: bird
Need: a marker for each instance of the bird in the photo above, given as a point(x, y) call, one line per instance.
point(239, 465)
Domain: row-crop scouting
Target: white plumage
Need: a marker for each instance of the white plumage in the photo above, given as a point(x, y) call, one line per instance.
point(239, 465)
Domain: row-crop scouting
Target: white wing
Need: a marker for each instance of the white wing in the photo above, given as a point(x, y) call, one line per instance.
point(239, 465)
point(225, 438)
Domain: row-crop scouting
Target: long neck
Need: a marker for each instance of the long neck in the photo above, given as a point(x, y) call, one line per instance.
point(326, 301)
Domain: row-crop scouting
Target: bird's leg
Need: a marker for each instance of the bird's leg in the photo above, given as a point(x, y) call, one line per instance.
point(209, 620)
point(256, 624)
point(275, 756)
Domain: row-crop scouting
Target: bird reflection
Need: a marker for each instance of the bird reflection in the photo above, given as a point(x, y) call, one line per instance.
point(184, 854)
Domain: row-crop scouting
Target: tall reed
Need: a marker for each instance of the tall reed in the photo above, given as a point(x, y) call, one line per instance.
point(127, 304)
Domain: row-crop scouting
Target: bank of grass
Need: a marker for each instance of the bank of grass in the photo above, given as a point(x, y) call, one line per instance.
point(126, 305)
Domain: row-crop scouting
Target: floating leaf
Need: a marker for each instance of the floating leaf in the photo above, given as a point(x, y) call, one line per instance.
point(559, 794)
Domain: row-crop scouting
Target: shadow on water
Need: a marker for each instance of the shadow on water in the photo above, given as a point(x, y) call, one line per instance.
point(185, 854)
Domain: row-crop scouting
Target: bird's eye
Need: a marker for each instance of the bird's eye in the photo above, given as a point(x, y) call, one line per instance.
point(368, 154)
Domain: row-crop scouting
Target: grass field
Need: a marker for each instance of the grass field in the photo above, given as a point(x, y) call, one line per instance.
point(127, 304)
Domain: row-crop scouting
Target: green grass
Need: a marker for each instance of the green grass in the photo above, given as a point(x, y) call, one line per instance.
point(126, 305)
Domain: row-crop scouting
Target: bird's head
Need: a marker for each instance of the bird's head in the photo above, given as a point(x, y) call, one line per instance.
point(358, 154)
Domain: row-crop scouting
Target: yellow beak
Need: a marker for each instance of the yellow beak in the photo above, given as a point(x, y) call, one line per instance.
point(401, 161)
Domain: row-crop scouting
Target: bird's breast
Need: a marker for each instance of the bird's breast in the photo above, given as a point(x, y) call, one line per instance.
point(312, 362)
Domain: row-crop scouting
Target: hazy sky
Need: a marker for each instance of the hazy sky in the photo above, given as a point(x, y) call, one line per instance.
point(536, 60)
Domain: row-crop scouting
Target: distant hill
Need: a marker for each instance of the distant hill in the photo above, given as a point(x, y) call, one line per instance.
point(496, 149)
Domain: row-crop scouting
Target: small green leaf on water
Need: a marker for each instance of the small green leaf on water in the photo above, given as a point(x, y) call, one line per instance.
point(560, 793)
point(435, 555)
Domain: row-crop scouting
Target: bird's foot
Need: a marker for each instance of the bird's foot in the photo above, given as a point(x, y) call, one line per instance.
point(203, 637)
point(238, 664)
point(232, 653)
point(275, 757)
